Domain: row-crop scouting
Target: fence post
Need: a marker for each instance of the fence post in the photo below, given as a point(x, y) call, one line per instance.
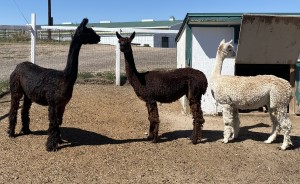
point(33, 37)
point(118, 64)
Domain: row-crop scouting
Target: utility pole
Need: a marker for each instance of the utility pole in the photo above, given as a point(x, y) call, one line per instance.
point(50, 20)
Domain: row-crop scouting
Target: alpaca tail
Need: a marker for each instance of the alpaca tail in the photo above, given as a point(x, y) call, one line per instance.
point(205, 84)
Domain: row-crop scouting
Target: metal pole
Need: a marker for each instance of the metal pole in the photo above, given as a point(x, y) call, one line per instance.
point(33, 37)
point(50, 23)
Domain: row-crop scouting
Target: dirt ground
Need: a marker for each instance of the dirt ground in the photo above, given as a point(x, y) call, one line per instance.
point(105, 129)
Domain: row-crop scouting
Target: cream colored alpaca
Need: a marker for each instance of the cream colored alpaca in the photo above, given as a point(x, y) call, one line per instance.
point(237, 92)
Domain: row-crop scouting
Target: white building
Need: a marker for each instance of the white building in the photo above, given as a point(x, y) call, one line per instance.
point(156, 37)
point(197, 43)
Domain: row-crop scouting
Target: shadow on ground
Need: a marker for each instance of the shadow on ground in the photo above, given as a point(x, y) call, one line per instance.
point(77, 137)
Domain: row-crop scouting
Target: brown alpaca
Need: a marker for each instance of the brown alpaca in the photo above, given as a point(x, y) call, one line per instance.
point(165, 87)
point(47, 87)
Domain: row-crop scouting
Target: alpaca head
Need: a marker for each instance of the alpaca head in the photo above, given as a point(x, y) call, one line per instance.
point(226, 49)
point(86, 35)
point(125, 43)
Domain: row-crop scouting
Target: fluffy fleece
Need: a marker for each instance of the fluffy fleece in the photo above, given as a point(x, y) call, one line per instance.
point(47, 87)
point(240, 92)
point(165, 87)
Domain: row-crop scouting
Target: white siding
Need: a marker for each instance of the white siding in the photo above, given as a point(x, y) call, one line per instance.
point(110, 40)
point(181, 46)
point(205, 41)
point(181, 63)
point(139, 39)
point(153, 40)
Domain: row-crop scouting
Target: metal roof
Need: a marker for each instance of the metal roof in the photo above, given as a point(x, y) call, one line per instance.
point(138, 24)
point(223, 19)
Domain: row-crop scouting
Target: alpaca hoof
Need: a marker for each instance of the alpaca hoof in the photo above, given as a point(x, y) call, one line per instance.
point(155, 139)
point(26, 131)
point(267, 141)
point(286, 146)
point(225, 141)
point(195, 139)
point(11, 134)
point(51, 148)
point(60, 141)
point(150, 137)
point(52, 144)
point(283, 148)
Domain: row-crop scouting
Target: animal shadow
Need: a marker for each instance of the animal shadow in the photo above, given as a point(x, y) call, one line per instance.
point(207, 135)
point(246, 134)
point(77, 137)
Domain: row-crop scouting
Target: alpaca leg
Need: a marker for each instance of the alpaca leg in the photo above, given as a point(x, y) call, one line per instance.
point(16, 95)
point(286, 126)
point(198, 120)
point(53, 131)
point(60, 113)
point(153, 117)
point(275, 127)
point(236, 122)
point(25, 116)
point(228, 122)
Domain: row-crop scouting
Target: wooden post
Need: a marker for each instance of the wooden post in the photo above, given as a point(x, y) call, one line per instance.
point(118, 63)
point(33, 37)
point(292, 82)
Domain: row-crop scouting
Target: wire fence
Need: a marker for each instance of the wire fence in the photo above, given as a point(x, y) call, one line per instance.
point(92, 58)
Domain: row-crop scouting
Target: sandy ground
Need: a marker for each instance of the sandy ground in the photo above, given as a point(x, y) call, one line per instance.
point(104, 128)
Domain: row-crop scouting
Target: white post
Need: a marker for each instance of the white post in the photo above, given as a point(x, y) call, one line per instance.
point(118, 64)
point(33, 35)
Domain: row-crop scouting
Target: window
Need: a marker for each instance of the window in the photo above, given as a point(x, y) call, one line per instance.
point(164, 42)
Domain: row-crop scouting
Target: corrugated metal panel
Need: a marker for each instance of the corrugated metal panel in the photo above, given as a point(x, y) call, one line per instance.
point(266, 39)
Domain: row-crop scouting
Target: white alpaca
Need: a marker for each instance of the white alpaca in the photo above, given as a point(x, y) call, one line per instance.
point(238, 92)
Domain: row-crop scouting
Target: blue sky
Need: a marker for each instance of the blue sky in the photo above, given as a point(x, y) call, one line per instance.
point(16, 12)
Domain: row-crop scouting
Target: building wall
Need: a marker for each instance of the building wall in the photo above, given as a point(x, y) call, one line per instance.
point(181, 63)
point(158, 40)
point(153, 40)
point(139, 39)
point(205, 41)
point(181, 46)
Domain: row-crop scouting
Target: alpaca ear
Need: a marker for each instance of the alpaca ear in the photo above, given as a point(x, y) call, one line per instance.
point(132, 35)
point(84, 22)
point(230, 42)
point(118, 35)
point(223, 41)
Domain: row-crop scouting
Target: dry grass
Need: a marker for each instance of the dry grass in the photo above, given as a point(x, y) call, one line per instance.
point(92, 58)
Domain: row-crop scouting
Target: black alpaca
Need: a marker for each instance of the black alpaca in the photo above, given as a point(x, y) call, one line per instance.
point(47, 87)
point(165, 87)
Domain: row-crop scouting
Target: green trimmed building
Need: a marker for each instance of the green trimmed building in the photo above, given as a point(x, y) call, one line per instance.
point(200, 34)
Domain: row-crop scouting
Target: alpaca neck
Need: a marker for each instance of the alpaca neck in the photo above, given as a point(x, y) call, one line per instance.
point(71, 69)
point(218, 66)
point(131, 71)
